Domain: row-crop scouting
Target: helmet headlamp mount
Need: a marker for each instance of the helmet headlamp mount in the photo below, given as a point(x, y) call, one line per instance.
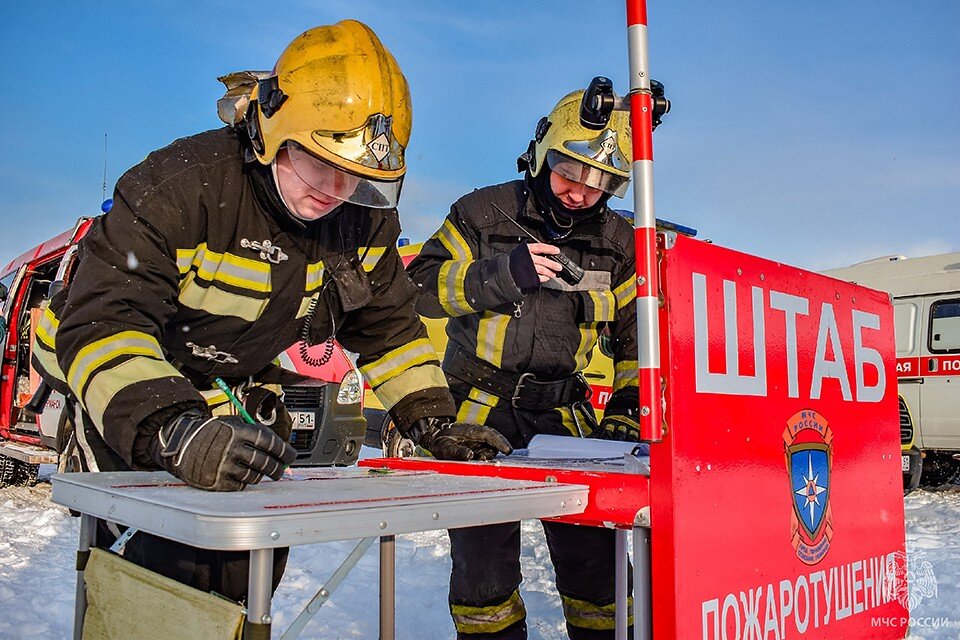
point(597, 103)
point(270, 96)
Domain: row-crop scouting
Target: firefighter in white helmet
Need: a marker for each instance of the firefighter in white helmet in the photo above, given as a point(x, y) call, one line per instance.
point(521, 330)
point(224, 249)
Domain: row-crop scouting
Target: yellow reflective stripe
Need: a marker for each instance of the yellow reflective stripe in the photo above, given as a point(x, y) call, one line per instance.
point(452, 240)
point(604, 305)
point(219, 302)
point(214, 397)
point(625, 293)
point(409, 355)
point(489, 619)
point(237, 271)
point(314, 276)
point(48, 360)
point(588, 339)
point(586, 615)
point(491, 331)
point(476, 409)
point(106, 384)
point(425, 376)
point(185, 258)
point(372, 258)
point(626, 374)
point(451, 288)
point(47, 328)
point(305, 305)
point(106, 349)
point(234, 270)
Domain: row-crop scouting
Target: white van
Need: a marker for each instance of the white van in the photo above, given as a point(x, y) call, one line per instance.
point(926, 302)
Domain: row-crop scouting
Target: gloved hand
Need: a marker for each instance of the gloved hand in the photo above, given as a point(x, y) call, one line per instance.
point(450, 440)
point(220, 454)
point(531, 265)
point(617, 428)
point(265, 407)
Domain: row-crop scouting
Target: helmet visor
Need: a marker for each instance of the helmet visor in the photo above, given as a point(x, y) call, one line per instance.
point(585, 174)
point(342, 185)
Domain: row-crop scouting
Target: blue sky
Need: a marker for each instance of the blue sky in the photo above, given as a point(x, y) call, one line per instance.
point(815, 133)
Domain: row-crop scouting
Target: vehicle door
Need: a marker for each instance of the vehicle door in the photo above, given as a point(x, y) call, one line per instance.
point(906, 319)
point(8, 347)
point(33, 292)
point(940, 367)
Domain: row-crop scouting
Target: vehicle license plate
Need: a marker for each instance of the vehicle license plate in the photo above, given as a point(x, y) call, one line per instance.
point(304, 419)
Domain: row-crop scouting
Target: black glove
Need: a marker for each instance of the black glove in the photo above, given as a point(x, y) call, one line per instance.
point(449, 440)
point(220, 454)
point(522, 269)
point(617, 428)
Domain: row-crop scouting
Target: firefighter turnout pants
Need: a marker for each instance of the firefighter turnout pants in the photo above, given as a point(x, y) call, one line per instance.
point(485, 599)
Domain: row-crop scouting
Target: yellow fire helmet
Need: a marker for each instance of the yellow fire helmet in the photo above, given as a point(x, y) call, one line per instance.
point(596, 158)
point(336, 100)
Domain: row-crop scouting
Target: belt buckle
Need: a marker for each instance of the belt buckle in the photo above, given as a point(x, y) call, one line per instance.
point(519, 388)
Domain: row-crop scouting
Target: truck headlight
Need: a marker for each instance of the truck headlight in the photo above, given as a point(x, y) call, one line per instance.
point(351, 390)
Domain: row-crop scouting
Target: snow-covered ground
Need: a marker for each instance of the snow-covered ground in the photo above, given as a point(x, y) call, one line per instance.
point(37, 581)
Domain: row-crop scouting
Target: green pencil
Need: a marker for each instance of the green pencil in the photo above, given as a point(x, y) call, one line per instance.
point(233, 399)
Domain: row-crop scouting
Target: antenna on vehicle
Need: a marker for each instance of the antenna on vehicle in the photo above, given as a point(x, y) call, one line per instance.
point(104, 197)
point(105, 204)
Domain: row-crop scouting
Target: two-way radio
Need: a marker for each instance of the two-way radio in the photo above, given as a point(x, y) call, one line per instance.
point(570, 271)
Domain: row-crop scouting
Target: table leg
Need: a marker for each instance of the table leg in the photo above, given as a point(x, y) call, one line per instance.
point(642, 594)
point(388, 558)
point(259, 594)
point(621, 585)
point(327, 590)
point(88, 537)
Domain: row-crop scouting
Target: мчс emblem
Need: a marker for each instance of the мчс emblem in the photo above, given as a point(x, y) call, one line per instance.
point(807, 444)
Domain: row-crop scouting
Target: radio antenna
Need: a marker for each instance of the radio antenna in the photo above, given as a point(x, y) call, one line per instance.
point(104, 196)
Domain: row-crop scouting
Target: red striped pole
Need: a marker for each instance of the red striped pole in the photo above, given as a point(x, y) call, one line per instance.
point(648, 286)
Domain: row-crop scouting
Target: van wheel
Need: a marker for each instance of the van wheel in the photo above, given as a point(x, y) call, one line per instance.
point(939, 469)
point(394, 444)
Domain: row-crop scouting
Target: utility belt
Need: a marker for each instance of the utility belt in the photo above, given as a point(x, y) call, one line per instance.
point(522, 390)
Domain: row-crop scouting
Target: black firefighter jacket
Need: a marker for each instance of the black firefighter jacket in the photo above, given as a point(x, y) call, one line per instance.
point(197, 272)
point(463, 273)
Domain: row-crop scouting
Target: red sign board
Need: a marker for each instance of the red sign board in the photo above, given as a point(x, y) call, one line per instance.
point(776, 498)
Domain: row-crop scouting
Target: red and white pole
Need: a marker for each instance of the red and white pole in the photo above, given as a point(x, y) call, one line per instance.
point(648, 286)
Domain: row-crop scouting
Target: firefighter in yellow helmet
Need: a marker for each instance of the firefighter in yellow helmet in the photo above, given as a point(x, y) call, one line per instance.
point(521, 329)
point(224, 249)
